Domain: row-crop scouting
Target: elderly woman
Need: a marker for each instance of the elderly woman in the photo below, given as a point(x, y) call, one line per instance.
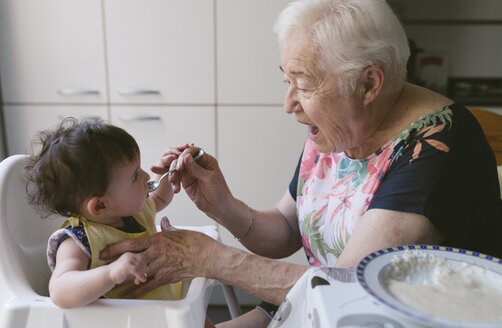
point(385, 163)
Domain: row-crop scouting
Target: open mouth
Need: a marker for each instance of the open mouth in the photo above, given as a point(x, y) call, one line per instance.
point(313, 130)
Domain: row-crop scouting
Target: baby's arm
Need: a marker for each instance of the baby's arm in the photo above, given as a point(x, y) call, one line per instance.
point(72, 284)
point(164, 194)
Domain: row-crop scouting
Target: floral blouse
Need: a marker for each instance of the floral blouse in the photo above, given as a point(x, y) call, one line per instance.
point(413, 172)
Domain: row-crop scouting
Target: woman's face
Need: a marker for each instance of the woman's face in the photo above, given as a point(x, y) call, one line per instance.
point(333, 121)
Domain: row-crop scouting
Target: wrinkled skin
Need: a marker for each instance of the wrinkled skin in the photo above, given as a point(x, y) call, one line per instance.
point(204, 183)
point(176, 255)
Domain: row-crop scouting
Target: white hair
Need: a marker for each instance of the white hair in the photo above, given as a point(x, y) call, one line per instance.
point(348, 36)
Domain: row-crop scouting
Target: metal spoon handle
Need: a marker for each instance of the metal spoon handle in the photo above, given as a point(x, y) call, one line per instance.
point(166, 174)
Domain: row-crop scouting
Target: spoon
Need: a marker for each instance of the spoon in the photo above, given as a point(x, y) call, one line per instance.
point(153, 185)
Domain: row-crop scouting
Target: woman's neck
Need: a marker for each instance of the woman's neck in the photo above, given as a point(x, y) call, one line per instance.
point(382, 118)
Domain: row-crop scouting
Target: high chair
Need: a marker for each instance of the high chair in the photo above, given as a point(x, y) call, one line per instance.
point(24, 274)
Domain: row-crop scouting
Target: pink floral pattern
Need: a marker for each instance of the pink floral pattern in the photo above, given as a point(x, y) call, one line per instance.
point(333, 197)
point(334, 191)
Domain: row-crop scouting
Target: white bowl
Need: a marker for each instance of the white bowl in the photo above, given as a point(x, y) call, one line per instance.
point(373, 273)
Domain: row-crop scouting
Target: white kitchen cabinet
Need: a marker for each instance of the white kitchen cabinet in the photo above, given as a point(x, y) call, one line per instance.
point(258, 150)
point(248, 52)
point(150, 67)
point(52, 51)
point(157, 128)
point(258, 144)
point(160, 51)
point(24, 121)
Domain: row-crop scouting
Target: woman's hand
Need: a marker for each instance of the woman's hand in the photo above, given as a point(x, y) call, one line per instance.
point(203, 182)
point(164, 194)
point(171, 255)
point(168, 160)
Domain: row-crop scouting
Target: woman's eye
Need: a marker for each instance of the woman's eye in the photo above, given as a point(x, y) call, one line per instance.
point(303, 86)
point(135, 178)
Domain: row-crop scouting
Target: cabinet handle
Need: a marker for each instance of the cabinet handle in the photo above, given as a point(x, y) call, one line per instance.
point(82, 118)
point(133, 91)
point(129, 118)
point(77, 91)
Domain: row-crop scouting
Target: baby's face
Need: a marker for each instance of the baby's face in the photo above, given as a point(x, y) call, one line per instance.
point(128, 189)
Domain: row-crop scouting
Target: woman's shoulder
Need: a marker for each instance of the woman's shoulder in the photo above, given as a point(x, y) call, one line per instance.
point(422, 101)
point(453, 115)
point(428, 108)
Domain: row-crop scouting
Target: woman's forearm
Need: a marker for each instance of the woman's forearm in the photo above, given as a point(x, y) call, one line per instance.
point(173, 255)
point(267, 279)
point(272, 233)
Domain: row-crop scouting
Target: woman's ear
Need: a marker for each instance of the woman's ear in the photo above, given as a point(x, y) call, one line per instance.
point(372, 77)
point(96, 206)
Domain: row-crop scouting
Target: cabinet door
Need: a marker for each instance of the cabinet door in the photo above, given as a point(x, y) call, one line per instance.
point(52, 51)
point(156, 129)
point(258, 149)
point(160, 51)
point(23, 122)
point(248, 52)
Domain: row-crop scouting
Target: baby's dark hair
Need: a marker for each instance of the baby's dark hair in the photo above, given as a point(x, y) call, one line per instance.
point(75, 163)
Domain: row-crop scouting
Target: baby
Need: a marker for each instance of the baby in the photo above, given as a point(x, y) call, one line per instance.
point(90, 172)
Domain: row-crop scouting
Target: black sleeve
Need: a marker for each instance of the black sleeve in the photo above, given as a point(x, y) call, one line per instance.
point(293, 185)
point(268, 308)
point(450, 177)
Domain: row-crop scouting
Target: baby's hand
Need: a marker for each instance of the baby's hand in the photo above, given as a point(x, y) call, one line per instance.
point(127, 265)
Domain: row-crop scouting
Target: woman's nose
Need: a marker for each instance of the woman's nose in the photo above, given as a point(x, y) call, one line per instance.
point(291, 104)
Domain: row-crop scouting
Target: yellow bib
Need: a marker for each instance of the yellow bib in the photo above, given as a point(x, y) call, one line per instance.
point(101, 236)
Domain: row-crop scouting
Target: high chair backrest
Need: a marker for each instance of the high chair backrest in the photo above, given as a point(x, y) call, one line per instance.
point(23, 233)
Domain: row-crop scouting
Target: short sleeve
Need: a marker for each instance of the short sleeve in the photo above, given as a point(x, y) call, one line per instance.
point(448, 174)
point(408, 184)
point(293, 185)
point(55, 240)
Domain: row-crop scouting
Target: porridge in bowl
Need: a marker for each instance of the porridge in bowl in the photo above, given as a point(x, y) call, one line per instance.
point(444, 288)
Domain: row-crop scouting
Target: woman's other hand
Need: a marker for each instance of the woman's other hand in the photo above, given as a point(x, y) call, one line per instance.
point(171, 255)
